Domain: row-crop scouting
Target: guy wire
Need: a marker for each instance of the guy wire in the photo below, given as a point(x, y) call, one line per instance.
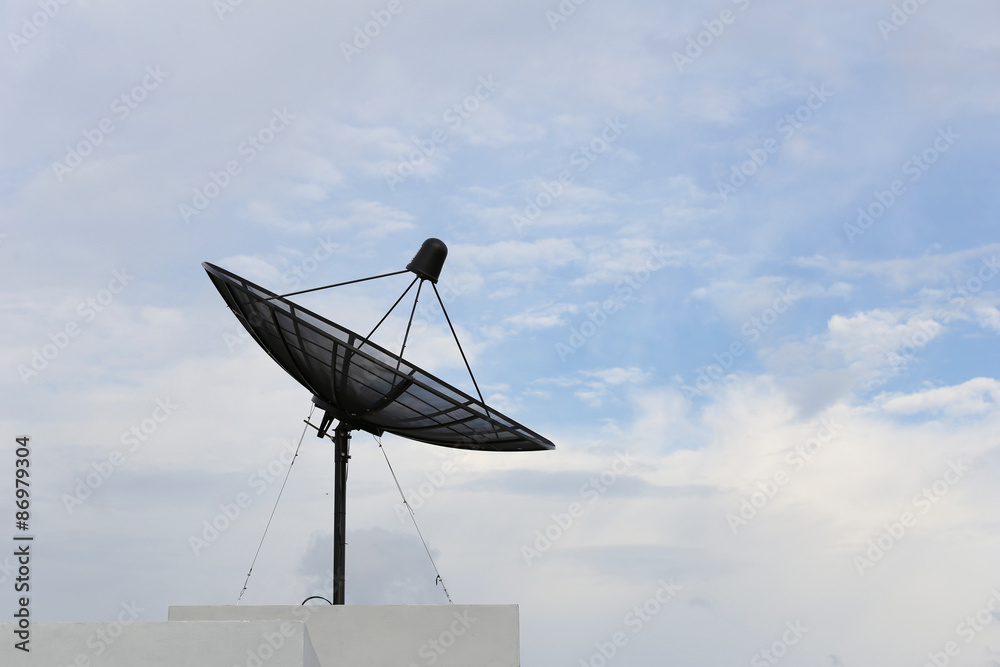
point(414, 519)
point(280, 491)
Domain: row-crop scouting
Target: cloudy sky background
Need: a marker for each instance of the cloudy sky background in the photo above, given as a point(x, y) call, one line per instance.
point(655, 258)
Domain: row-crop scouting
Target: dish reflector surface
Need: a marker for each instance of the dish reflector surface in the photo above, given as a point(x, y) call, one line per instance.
point(365, 385)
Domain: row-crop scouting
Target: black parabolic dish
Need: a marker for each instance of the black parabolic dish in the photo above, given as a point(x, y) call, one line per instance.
point(365, 385)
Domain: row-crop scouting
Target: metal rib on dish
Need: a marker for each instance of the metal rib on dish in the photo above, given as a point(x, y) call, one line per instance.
point(365, 385)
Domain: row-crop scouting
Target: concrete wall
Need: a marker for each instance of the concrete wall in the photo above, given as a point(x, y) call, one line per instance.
point(270, 643)
point(392, 636)
point(283, 636)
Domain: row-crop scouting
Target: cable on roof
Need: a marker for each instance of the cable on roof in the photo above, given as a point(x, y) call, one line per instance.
point(316, 597)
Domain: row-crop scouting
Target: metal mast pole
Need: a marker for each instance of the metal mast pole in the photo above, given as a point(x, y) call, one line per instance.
point(342, 445)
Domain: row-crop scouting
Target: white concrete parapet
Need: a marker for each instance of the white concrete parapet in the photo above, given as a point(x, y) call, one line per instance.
point(270, 643)
point(391, 635)
point(282, 636)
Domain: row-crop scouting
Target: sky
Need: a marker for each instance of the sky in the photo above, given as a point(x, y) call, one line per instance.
point(737, 260)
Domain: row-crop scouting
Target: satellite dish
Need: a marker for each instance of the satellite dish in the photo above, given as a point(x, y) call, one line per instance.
point(365, 387)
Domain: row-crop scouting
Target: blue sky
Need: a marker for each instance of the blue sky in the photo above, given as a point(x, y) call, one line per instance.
point(655, 260)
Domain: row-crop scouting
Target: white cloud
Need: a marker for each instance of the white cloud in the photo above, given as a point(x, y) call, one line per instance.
point(616, 376)
point(871, 342)
point(870, 346)
point(254, 269)
point(975, 397)
point(988, 317)
point(507, 254)
point(554, 315)
point(952, 269)
point(741, 300)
